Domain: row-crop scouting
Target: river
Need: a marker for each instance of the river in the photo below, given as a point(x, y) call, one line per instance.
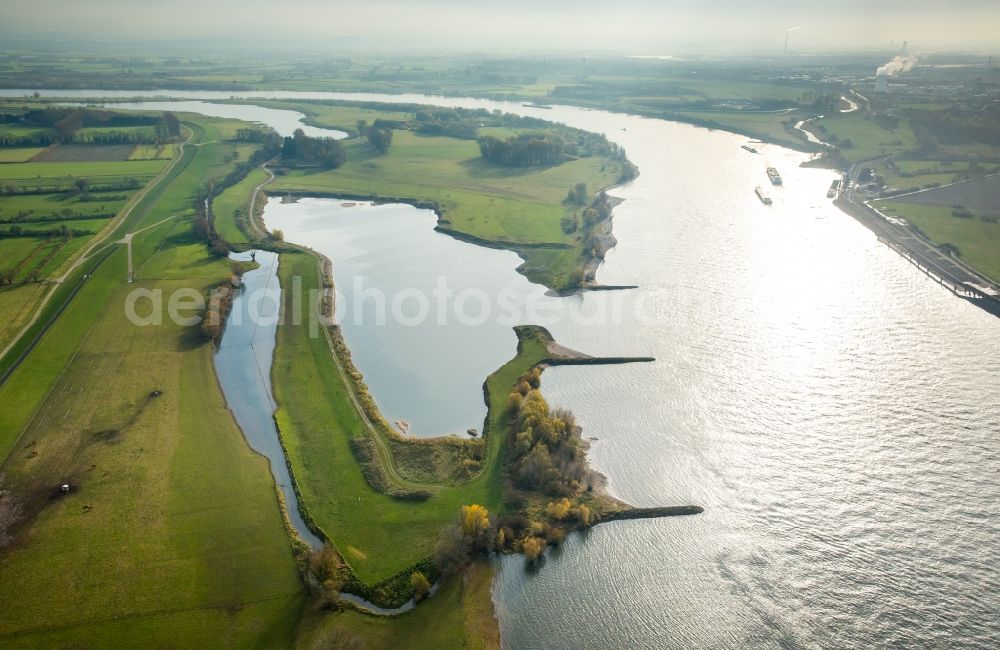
point(834, 410)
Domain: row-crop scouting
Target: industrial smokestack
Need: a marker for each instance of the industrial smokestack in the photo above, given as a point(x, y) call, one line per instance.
point(787, 34)
point(905, 43)
point(881, 83)
point(898, 64)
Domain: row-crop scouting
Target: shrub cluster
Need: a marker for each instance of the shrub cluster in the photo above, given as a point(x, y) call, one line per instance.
point(547, 451)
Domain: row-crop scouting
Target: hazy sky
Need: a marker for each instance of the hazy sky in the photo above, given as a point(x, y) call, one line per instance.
point(648, 26)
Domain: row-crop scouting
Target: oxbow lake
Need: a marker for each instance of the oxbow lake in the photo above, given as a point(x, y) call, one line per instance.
point(833, 409)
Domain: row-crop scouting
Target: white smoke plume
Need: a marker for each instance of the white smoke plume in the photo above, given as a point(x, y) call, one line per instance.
point(902, 63)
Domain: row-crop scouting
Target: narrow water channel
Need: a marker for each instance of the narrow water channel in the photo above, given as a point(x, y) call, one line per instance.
point(243, 366)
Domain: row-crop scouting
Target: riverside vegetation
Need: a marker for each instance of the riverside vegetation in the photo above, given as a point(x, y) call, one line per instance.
point(494, 179)
point(134, 434)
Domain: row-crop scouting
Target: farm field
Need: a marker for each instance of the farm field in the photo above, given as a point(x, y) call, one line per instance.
point(151, 152)
point(30, 259)
point(60, 204)
point(63, 173)
point(63, 216)
point(150, 491)
point(982, 194)
point(19, 154)
point(85, 153)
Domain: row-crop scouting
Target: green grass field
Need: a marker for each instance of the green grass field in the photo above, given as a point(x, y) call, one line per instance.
point(858, 137)
point(17, 304)
point(317, 420)
point(173, 535)
point(151, 497)
point(15, 131)
point(921, 174)
point(30, 259)
point(978, 240)
point(509, 206)
point(344, 118)
point(65, 172)
point(764, 126)
point(87, 133)
point(20, 154)
point(235, 198)
point(55, 203)
point(459, 615)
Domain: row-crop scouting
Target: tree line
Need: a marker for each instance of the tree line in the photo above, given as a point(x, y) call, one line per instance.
point(325, 152)
point(524, 150)
point(62, 231)
point(62, 125)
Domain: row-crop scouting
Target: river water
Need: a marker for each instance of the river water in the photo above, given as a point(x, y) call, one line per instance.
point(834, 411)
point(243, 366)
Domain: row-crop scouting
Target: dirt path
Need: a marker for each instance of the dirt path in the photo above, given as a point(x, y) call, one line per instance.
point(381, 444)
point(257, 227)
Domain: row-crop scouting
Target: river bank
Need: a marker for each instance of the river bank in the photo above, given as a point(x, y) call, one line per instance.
point(768, 353)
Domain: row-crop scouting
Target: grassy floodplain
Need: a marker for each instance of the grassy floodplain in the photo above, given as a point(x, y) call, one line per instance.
point(459, 615)
point(858, 137)
point(136, 553)
point(317, 420)
point(977, 236)
point(231, 208)
point(517, 208)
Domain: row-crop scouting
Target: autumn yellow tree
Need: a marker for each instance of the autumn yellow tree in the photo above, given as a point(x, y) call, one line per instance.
point(558, 510)
point(475, 520)
point(533, 548)
point(421, 585)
